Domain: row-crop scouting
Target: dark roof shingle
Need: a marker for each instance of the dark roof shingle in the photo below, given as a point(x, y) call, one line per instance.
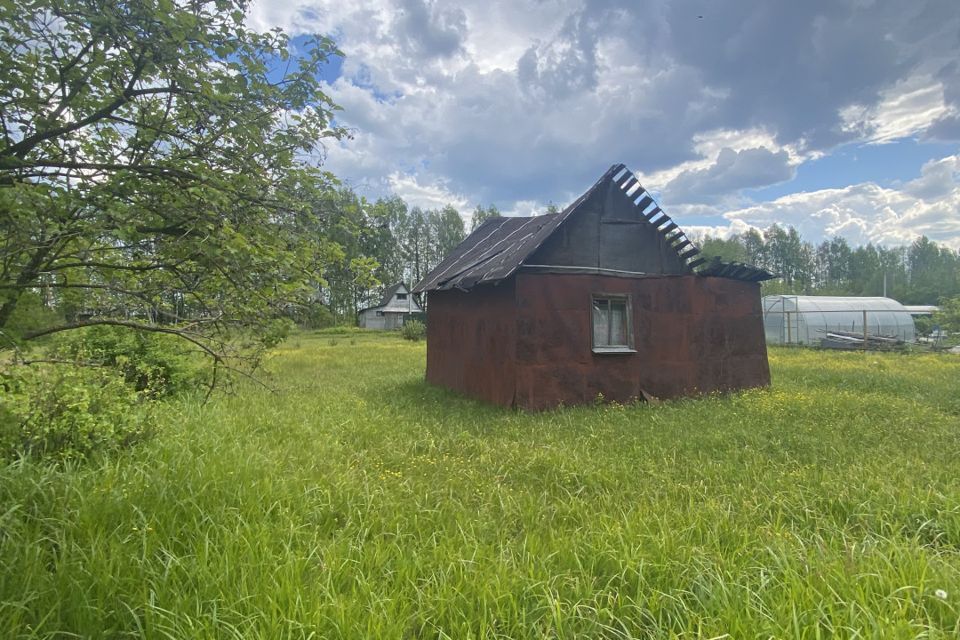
point(499, 246)
point(491, 253)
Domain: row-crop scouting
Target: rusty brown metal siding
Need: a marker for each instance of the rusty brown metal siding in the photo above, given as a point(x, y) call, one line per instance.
point(692, 335)
point(471, 338)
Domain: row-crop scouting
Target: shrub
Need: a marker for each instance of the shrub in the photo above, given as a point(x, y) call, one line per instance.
point(30, 314)
point(315, 316)
point(156, 363)
point(414, 330)
point(949, 315)
point(923, 325)
point(68, 411)
point(277, 331)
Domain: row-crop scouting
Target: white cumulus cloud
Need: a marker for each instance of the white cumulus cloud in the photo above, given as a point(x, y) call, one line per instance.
point(523, 103)
point(866, 212)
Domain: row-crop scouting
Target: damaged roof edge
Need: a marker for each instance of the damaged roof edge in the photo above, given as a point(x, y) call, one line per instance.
point(499, 246)
point(717, 268)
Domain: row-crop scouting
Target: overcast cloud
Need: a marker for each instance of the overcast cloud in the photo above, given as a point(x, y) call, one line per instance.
point(520, 104)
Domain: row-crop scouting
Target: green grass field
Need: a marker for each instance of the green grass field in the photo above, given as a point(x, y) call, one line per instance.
point(358, 502)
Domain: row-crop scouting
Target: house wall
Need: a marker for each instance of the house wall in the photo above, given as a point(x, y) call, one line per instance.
point(393, 321)
point(388, 321)
point(692, 335)
point(370, 320)
point(471, 338)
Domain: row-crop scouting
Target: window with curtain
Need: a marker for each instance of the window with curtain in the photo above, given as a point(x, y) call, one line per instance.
point(612, 330)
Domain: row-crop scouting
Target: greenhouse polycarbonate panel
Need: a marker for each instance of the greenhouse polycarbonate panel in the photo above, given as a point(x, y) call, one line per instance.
point(808, 319)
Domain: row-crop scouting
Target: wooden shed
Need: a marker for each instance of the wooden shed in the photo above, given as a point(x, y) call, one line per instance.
point(607, 297)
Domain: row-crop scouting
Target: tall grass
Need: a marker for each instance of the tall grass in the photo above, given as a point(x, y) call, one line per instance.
point(359, 502)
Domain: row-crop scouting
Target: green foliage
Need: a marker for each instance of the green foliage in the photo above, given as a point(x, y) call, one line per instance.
point(29, 314)
point(919, 274)
point(727, 250)
point(414, 330)
point(362, 502)
point(935, 271)
point(382, 243)
point(155, 147)
point(154, 363)
point(482, 214)
point(789, 257)
point(314, 316)
point(418, 243)
point(949, 315)
point(276, 331)
point(449, 230)
point(62, 412)
point(924, 325)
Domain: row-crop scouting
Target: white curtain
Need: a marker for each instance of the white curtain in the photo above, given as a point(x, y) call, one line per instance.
point(601, 314)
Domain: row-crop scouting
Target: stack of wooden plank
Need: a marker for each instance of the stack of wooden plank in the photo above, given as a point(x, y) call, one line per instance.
point(852, 340)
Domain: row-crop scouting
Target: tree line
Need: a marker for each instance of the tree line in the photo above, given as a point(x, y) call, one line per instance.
point(922, 272)
point(380, 243)
point(386, 241)
point(156, 176)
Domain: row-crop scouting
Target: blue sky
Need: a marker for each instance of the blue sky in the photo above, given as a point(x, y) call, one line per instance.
point(885, 164)
point(839, 117)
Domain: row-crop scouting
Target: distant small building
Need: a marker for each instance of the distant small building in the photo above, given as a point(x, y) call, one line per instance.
point(607, 298)
point(806, 320)
point(394, 310)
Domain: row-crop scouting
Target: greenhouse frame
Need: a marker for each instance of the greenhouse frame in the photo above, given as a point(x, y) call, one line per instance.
point(806, 320)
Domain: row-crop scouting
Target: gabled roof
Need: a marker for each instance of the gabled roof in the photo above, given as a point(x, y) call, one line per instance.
point(499, 246)
point(388, 296)
point(491, 253)
point(389, 293)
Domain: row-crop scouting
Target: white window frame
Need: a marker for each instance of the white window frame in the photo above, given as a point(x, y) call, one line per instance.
point(628, 306)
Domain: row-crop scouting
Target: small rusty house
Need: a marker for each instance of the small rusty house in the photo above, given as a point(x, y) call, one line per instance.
point(607, 297)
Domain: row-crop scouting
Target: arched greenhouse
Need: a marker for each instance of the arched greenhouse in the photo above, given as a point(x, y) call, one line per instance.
point(808, 319)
